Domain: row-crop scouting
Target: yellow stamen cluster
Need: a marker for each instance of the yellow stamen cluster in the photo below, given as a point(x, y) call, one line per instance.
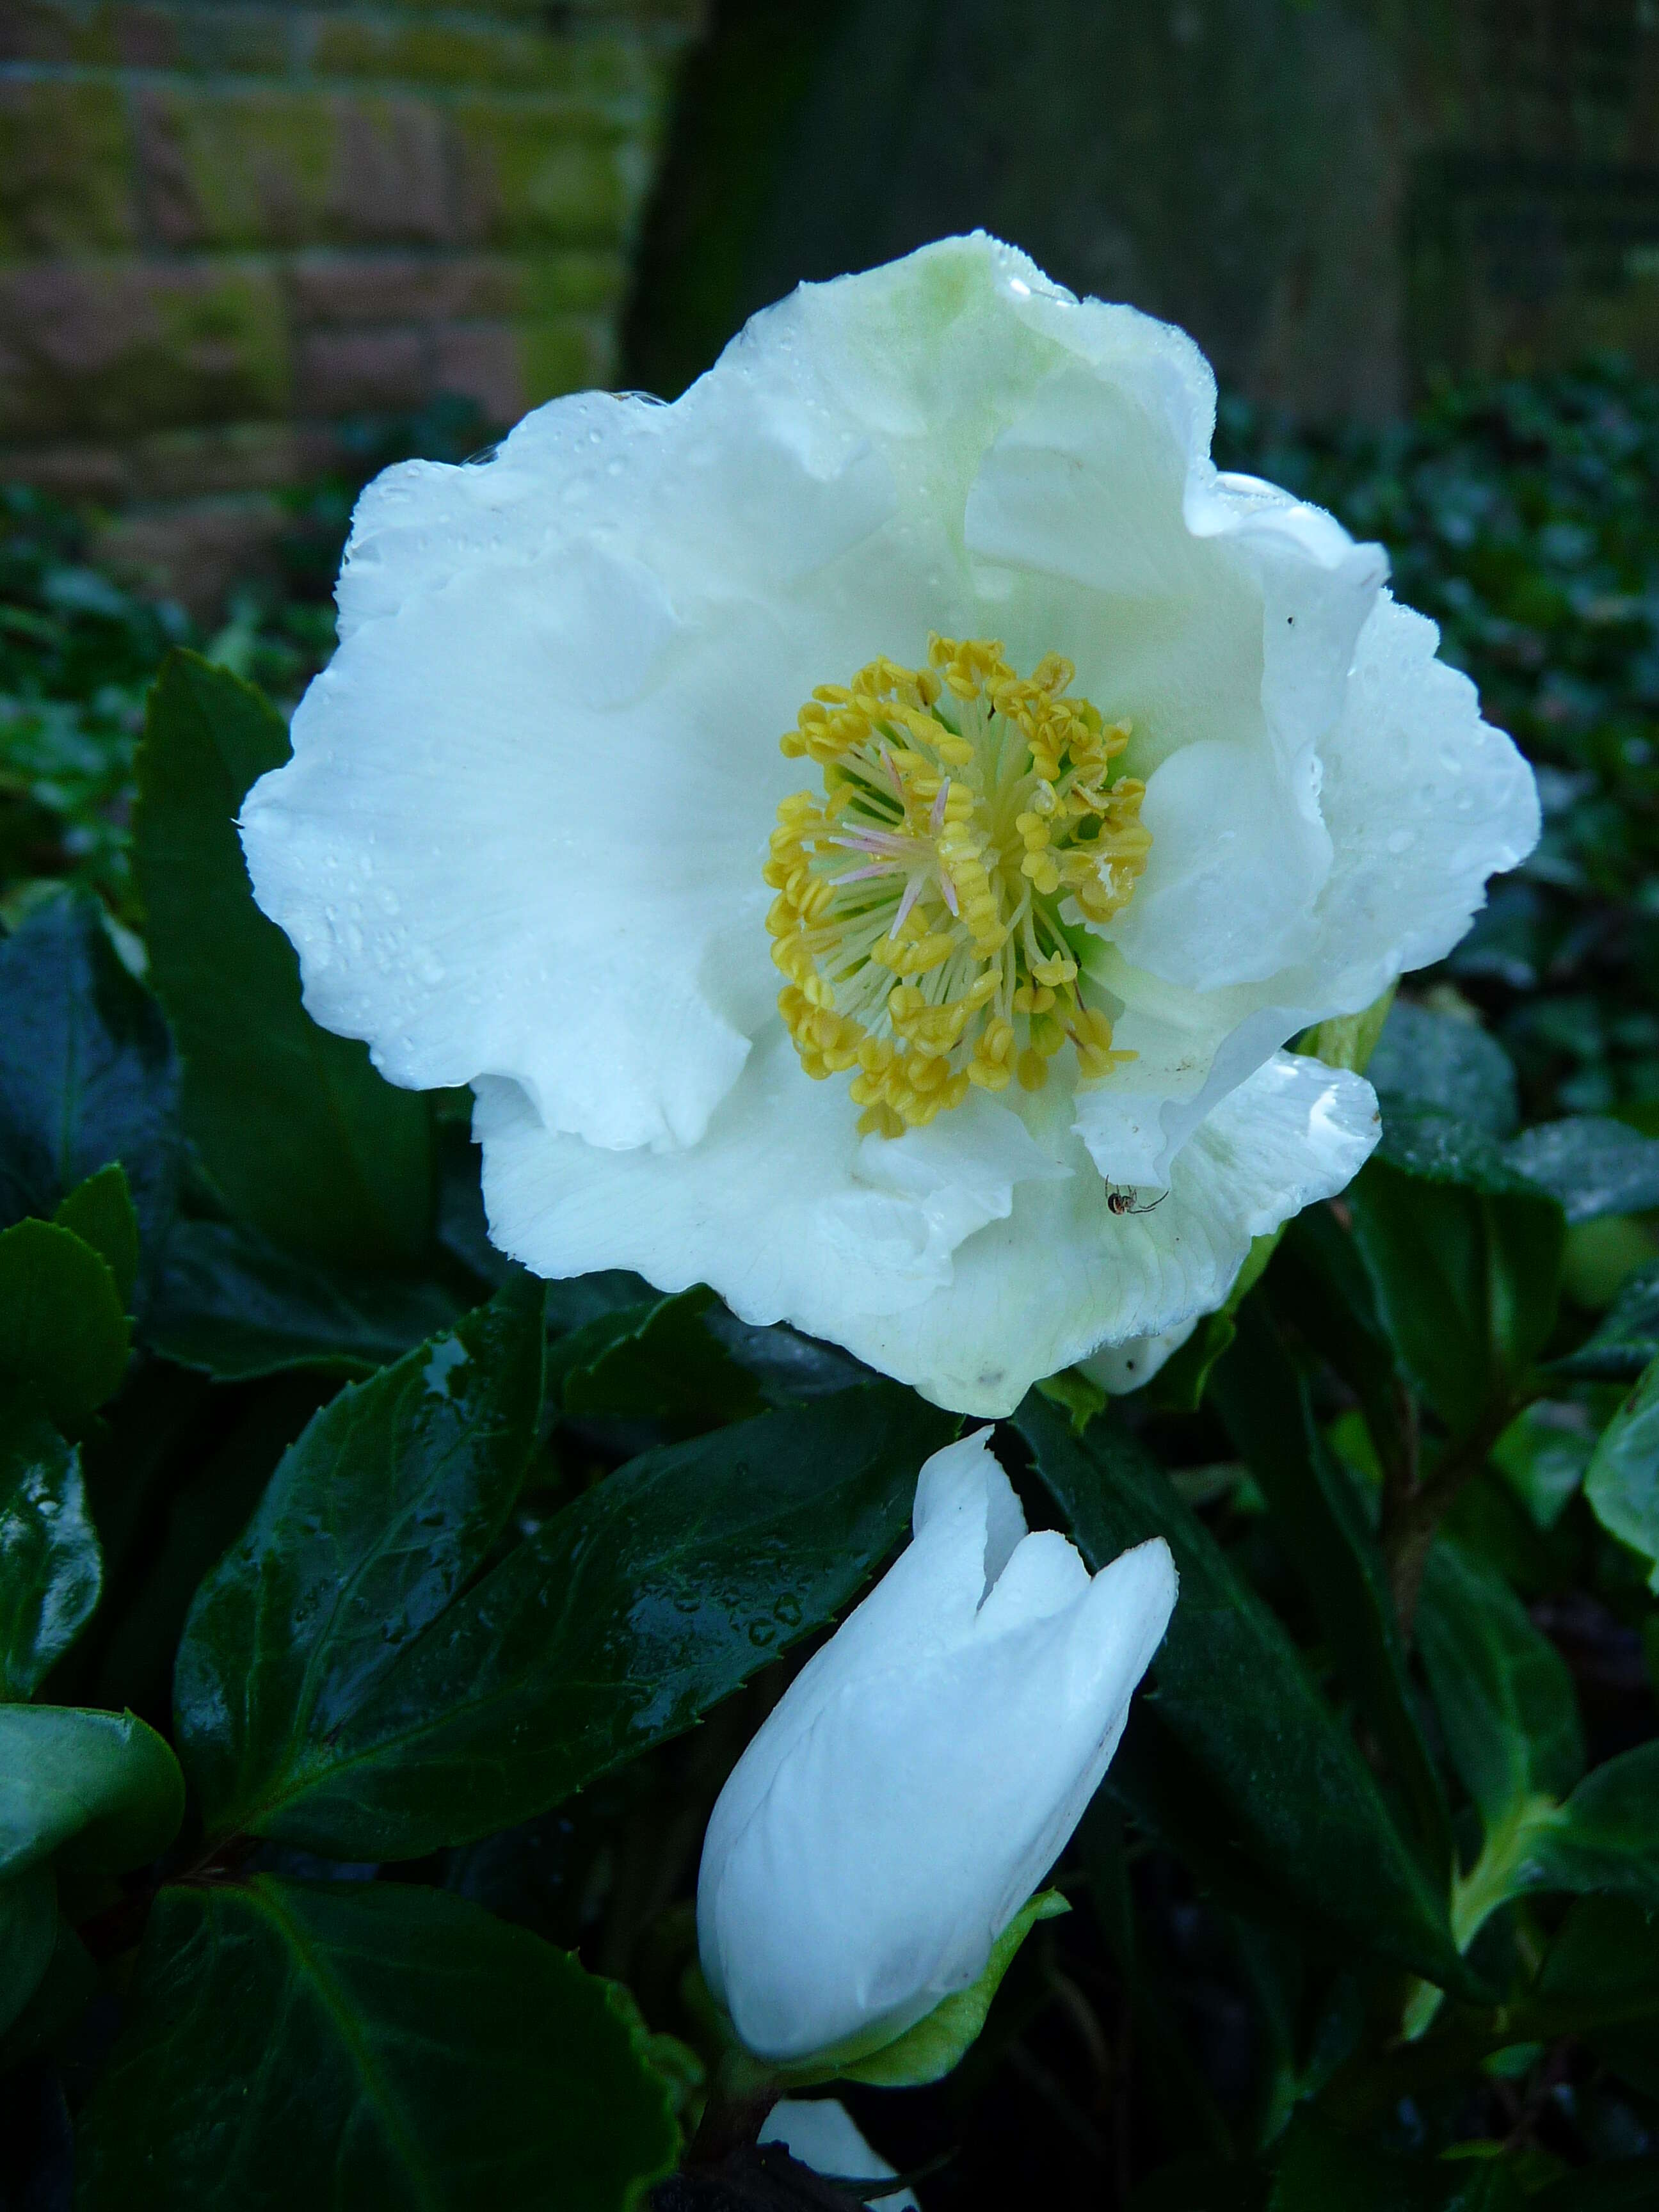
point(921, 916)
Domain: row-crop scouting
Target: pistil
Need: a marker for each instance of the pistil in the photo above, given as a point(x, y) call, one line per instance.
point(976, 801)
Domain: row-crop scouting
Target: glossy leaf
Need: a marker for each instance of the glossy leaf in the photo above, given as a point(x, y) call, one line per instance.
point(1622, 1484)
point(1265, 1404)
point(236, 1306)
point(612, 1627)
point(1592, 1164)
point(51, 1572)
point(86, 1072)
point(788, 1369)
point(100, 1212)
point(387, 2047)
point(304, 1139)
point(28, 1929)
point(100, 1791)
point(1465, 1262)
point(654, 1361)
point(1429, 1060)
point(1503, 1692)
point(1234, 1694)
point(1626, 1340)
point(63, 1328)
point(372, 1520)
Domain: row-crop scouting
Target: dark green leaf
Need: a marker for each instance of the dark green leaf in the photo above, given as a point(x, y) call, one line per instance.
point(1428, 1060)
point(386, 1505)
point(185, 1535)
point(1202, 2185)
point(653, 1361)
point(1602, 1975)
point(99, 1212)
point(1174, 2080)
point(1605, 1841)
point(50, 1568)
point(1435, 1146)
point(1465, 1262)
point(789, 1368)
point(1591, 1165)
point(63, 1328)
point(61, 1995)
point(86, 1072)
point(611, 1627)
point(237, 1307)
point(1184, 1378)
point(1544, 1455)
point(1317, 1513)
point(1627, 2184)
point(1604, 1962)
point(1627, 1340)
point(1622, 1484)
point(28, 1928)
point(100, 1791)
point(1319, 1283)
point(1324, 2172)
point(1232, 1690)
point(299, 1131)
point(386, 2048)
point(1504, 1693)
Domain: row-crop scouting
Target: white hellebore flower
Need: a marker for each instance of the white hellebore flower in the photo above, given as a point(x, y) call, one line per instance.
point(949, 1029)
point(823, 2134)
point(923, 1771)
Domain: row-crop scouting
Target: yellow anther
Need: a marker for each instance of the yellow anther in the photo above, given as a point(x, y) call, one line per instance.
point(916, 921)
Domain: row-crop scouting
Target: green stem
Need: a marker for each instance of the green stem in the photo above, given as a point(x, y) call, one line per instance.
point(741, 2094)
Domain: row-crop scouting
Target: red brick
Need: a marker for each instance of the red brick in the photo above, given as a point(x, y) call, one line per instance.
point(291, 168)
point(65, 168)
point(391, 177)
point(232, 457)
point(72, 472)
point(359, 288)
point(364, 372)
point(118, 348)
point(482, 362)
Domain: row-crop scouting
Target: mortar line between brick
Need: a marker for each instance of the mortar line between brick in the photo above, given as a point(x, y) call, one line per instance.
point(615, 113)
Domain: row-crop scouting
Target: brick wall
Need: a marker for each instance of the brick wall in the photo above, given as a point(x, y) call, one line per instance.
point(228, 227)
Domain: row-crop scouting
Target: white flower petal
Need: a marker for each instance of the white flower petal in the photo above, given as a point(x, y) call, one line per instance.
point(520, 841)
point(769, 1209)
point(918, 1777)
point(1121, 1367)
point(823, 2134)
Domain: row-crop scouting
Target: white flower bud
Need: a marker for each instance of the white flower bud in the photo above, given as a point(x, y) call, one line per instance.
point(923, 1771)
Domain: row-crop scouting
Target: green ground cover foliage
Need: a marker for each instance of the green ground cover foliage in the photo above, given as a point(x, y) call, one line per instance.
point(377, 1624)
